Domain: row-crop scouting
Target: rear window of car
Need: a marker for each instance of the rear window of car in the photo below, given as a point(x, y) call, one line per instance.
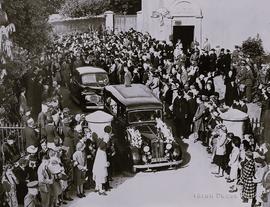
point(93, 78)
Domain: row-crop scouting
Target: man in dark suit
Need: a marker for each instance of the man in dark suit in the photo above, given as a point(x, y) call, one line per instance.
point(227, 62)
point(21, 175)
point(168, 98)
point(30, 135)
point(180, 113)
point(192, 107)
point(221, 62)
point(212, 61)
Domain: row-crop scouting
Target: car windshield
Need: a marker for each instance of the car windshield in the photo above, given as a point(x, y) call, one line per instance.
point(143, 116)
point(95, 78)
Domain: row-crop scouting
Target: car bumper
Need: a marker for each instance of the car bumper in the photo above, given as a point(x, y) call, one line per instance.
point(156, 165)
point(94, 107)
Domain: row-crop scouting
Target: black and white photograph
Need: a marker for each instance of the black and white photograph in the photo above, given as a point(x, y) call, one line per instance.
point(134, 103)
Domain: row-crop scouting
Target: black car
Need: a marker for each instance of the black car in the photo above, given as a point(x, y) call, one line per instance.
point(143, 140)
point(86, 87)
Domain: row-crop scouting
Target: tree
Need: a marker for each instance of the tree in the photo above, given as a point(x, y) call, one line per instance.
point(82, 8)
point(128, 6)
point(31, 20)
point(253, 47)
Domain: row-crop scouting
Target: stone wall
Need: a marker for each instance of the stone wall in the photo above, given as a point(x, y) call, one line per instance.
point(78, 25)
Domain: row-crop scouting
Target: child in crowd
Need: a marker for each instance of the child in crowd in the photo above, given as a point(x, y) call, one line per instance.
point(220, 152)
point(234, 163)
point(260, 170)
point(80, 168)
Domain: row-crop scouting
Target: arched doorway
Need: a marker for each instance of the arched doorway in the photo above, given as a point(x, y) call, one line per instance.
point(186, 25)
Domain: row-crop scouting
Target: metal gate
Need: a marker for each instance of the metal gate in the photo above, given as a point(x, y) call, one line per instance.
point(16, 129)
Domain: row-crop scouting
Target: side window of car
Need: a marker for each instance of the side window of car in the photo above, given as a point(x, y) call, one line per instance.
point(121, 112)
point(111, 105)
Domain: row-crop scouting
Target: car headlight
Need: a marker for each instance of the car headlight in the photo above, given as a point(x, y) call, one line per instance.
point(168, 146)
point(88, 97)
point(92, 98)
point(146, 149)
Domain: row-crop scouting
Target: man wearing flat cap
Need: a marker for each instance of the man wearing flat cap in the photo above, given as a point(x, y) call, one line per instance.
point(30, 199)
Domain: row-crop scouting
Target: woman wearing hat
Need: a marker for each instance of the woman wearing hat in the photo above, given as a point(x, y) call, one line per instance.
point(80, 168)
point(231, 92)
point(100, 171)
point(10, 150)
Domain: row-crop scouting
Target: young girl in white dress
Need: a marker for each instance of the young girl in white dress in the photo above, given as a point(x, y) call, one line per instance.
point(100, 171)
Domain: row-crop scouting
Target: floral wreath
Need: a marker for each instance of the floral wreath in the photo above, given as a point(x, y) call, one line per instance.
point(134, 137)
point(165, 131)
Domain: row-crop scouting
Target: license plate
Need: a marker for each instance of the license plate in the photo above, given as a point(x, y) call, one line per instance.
point(162, 159)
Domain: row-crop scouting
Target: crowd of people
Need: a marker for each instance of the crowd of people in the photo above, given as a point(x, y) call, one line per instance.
point(62, 152)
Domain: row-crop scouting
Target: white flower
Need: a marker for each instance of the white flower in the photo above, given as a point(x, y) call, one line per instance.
point(165, 131)
point(135, 137)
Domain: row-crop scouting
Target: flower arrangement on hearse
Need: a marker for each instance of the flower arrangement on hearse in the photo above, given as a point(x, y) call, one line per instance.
point(161, 147)
point(139, 127)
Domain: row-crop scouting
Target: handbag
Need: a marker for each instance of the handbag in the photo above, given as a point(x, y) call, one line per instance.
point(264, 197)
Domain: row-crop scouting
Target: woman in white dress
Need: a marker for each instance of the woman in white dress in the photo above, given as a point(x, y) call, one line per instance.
point(100, 171)
point(234, 163)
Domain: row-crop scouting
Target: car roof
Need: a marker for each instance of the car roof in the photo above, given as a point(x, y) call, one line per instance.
point(137, 96)
point(90, 69)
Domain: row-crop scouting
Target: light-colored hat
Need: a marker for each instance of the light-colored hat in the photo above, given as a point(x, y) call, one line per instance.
point(77, 117)
point(30, 121)
point(54, 166)
point(32, 149)
point(33, 184)
point(80, 146)
point(78, 128)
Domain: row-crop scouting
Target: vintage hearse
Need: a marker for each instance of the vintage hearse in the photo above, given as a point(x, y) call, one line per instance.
point(86, 87)
point(143, 140)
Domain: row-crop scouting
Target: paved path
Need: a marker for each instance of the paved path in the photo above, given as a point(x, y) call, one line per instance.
point(192, 186)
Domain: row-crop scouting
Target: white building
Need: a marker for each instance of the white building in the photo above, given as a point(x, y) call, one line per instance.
point(224, 22)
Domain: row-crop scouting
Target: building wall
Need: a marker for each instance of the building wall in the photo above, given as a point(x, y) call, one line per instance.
point(225, 22)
